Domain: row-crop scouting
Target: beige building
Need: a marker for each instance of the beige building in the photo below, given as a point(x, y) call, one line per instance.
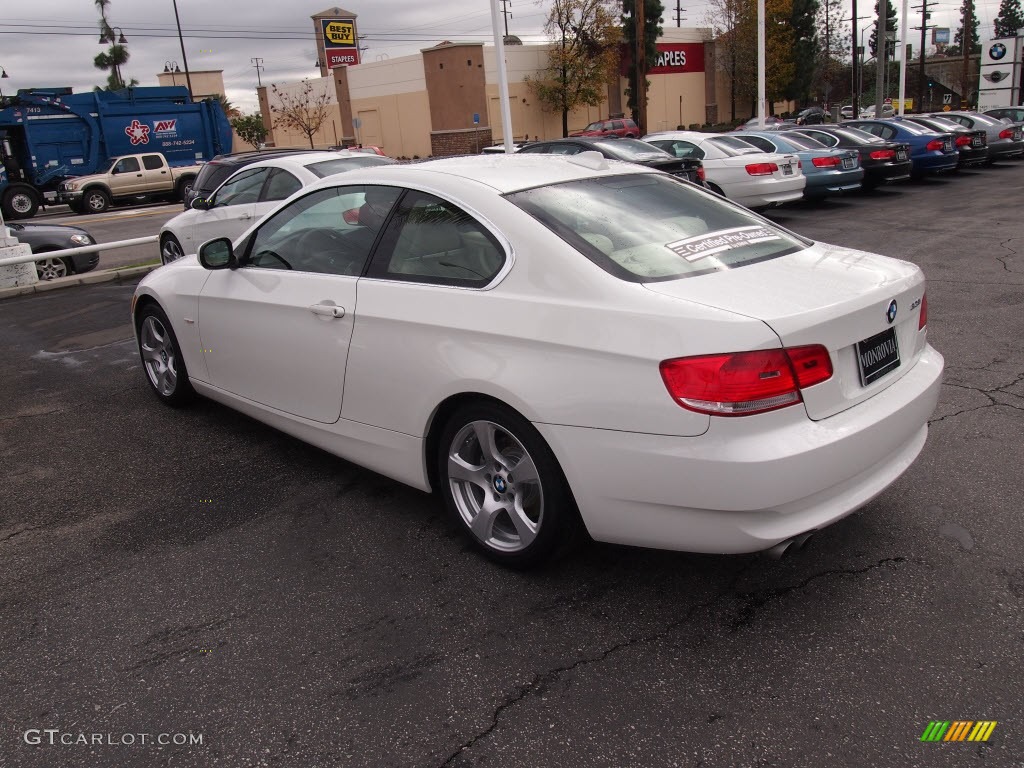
point(444, 100)
point(205, 83)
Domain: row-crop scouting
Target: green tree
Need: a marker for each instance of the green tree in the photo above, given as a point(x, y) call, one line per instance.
point(780, 46)
point(890, 24)
point(250, 129)
point(583, 59)
point(806, 48)
point(653, 10)
point(116, 56)
point(972, 26)
point(831, 70)
point(1010, 19)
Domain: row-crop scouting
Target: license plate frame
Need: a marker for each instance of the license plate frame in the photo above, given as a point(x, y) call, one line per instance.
point(787, 169)
point(847, 163)
point(877, 356)
point(976, 141)
point(901, 154)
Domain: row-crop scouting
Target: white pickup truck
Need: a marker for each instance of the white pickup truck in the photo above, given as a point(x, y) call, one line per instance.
point(128, 178)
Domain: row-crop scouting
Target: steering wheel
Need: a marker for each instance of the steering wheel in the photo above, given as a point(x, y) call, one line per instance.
point(272, 255)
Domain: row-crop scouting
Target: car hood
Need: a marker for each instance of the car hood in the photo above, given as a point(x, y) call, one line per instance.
point(42, 230)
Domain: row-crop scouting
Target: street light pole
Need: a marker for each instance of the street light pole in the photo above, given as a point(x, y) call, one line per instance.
point(181, 42)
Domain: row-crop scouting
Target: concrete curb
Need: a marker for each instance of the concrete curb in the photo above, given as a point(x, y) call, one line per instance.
point(89, 278)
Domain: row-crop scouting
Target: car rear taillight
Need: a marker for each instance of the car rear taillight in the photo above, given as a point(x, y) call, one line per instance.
point(744, 383)
point(1006, 133)
point(762, 169)
point(923, 321)
point(935, 145)
point(963, 141)
point(825, 162)
point(700, 174)
point(883, 154)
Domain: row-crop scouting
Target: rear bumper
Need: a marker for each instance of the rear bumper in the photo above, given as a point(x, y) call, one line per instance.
point(744, 487)
point(888, 171)
point(833, 181)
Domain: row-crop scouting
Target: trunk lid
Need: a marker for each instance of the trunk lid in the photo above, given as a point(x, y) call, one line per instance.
point(825, 295)
point(787, 164)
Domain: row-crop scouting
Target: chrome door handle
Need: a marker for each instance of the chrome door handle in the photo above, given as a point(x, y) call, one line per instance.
point(327, 310)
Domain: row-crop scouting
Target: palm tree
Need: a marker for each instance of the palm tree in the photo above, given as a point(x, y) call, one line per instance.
point(114, 57)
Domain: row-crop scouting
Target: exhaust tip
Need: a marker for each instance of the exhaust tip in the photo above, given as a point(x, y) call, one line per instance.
point(789, 546)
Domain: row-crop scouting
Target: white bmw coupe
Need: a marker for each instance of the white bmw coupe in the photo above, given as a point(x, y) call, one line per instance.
point(558, 344)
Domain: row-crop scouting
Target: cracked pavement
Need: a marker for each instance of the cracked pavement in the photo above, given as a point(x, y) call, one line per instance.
point(198, 572)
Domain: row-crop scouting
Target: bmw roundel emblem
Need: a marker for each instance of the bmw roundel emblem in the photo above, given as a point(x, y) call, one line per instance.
point(500, 485)
point(997, 51)
point(890, 313)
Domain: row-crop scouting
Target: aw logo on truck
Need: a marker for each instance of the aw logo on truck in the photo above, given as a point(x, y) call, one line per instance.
point(138, 133)
point(165, 127)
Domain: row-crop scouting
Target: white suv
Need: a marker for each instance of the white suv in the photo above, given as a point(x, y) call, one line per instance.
point(249, 194)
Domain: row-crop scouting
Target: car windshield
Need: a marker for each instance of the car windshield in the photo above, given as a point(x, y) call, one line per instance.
point(647, 227)
point(340, 164)
point(631, 149)
point(801, 142)
point(858, 136)
point(593, 127)
point(733, 146)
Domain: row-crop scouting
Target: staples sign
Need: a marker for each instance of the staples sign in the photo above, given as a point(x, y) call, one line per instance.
point(674, 58)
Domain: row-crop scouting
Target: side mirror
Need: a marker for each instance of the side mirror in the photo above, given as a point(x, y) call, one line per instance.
point(200, 204)
point(217, 254)
point(114, 171)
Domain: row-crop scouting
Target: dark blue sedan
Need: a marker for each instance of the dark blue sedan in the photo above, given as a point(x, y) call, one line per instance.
point(930, 152)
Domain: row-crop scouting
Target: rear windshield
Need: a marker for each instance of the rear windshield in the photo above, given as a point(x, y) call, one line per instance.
point(856, 134)
point(916, 128)
point(650, 227)
point(802, 142)
point(340, 164)
point(631, 149)
point(212, 174)
point(732, 146)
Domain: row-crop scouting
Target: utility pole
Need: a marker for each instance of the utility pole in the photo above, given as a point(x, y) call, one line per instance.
point(761, 48)
point(924, 41)
point(505, 5)
point(881, 38)
point(641, 65)
point(853, 63)
point(679, 13)
point(181, 42)
point(903, 58)
point(257, 62)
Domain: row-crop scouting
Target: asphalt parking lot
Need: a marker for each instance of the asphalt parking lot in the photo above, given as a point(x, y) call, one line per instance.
point(196, 573)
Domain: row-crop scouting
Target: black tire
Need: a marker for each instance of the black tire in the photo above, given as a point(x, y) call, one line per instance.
point(546, 500)
point(96, 200)
point(714, 188)
point(20, 202)
point(159, 353)
point(170, 249)
point(182, 188)
point(77, 207)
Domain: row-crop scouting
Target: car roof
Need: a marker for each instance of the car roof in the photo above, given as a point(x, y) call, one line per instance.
point(502, 173)
point(244, 158)
point(694, 136)
point(303, 159)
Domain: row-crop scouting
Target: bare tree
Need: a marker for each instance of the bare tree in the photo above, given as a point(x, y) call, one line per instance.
point(583, 58)
point(734, 26)
point(304, 110)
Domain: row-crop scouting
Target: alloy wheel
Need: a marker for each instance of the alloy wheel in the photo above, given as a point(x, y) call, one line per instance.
point(171, 250)
point(159, 356)
point(49, 269)
point(495, 485)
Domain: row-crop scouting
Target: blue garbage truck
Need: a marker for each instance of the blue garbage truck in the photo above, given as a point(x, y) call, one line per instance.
point(48, 135)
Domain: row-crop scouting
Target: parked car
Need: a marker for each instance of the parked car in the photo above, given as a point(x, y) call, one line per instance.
point(629, 150)
point(249, 194)
point(888, 110)
point(1005, 141)
point(972, 144)
point(769, 121)
point(553, 342)
point(883, 161)
point(623, 127)
point(813, 116)
point(735, 169)
point(499, 149)
point(43, 238)
point(1013, 114)
point(213, 173)
point(846, 111)
point(930, 151)
point(828, 171)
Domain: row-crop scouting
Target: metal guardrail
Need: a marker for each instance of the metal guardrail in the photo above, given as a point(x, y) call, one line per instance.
point(83, 249)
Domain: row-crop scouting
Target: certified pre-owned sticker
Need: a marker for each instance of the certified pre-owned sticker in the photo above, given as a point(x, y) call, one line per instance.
point(702, 246)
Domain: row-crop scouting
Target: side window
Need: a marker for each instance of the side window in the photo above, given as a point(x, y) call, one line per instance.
point(152, 162)
point(616, 125)
point(330, 231)
point(243, 187)
point(536, 149)
point(825, 138)
point(886, 132)
point(761, 143)
point(567, 149)
point(281, 185)
point(430, 240)
point(681, 149)
point(127, 165)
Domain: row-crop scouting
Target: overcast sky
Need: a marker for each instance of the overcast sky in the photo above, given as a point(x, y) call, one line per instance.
point(53, 42)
